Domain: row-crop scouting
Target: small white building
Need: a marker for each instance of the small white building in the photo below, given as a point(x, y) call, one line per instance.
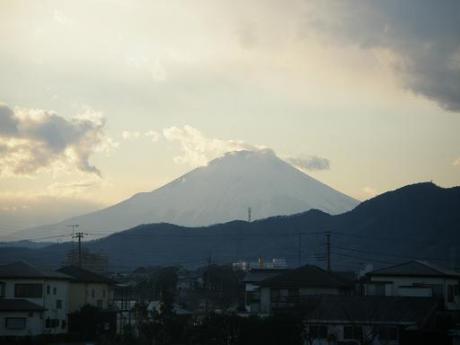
point(34, 301)
point(88, 288)
point(415, 279)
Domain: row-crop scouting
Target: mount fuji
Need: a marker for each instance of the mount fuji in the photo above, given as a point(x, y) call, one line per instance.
point(221, 191)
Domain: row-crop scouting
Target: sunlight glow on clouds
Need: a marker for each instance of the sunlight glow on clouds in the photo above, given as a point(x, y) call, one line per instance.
point(33, 139)
point(197, 149)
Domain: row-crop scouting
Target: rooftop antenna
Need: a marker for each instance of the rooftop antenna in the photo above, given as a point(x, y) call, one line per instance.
point(249, 214)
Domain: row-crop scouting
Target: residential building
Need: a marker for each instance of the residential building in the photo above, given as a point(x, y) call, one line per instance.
point(251, 283)
point(88, 288)
point(19, 317)
point(289, 288)
point(372, 320)
point(417, 279)
point(33, 301)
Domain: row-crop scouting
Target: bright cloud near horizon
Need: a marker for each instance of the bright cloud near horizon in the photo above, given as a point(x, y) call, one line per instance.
point(102, 99)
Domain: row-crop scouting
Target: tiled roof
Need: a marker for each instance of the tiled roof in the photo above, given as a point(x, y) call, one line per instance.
point(370, 309)
point(18, 305)
point(415, 268)
point(81, 275)
point(24, 270)
point(306, 277)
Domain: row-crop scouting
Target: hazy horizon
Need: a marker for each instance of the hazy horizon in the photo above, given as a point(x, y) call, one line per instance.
point(104, 99)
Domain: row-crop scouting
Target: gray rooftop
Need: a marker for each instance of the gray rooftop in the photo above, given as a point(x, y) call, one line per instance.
point(24, 270)
point(415, 269)
point(18, 305)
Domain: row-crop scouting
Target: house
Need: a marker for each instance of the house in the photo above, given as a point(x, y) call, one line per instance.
point(33, 301)
point(251, 283)
point(19, 317)
point(289, 288)
point(417, 279)
point(88, 288)
point(373, 320)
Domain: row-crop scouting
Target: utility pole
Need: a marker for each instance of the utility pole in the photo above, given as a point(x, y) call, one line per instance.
point(79, 236)
point(249, 214)
point(328, 250)
point(206, 283)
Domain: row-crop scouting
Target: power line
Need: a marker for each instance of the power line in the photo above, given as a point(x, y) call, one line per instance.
point(368, 252)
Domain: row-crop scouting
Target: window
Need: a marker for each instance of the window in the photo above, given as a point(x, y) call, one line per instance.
point(52, 323)
point(352, 332)
point(28, 290)
point(48, 289)
point(93, 293)
point(99, 303)
point(63, 324)
point(318, 331)
point(2, 289)
point(58, 304)
point(103, 293)
point(15, 323)
point(438, 291)
point(54, 290)
point(388, 333)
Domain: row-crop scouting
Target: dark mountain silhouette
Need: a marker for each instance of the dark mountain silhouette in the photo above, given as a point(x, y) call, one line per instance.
point(420, 221)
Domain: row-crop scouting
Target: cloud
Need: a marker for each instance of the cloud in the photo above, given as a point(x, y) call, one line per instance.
point(132, 135)
point(153, 135)
point(197, 149)
point(33, 139)
point(127, 135)
point(422, 36)
point(310, 163)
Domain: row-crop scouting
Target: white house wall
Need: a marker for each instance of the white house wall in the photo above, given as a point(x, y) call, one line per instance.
point(397, 283)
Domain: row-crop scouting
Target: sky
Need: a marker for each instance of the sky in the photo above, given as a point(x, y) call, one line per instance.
point(102, 99)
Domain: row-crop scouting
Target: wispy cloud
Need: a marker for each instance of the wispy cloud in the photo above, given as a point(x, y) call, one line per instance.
point(128, 135)
point(33, 139)
point(310, 163)
point(153, 135)
point(197, 149)
point(133, 135)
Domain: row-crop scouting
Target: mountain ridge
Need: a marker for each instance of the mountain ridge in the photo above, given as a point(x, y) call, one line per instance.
point(219, 192)
point(421, 226)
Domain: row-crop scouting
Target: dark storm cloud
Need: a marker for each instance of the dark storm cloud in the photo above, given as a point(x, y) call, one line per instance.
point(423, 34)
